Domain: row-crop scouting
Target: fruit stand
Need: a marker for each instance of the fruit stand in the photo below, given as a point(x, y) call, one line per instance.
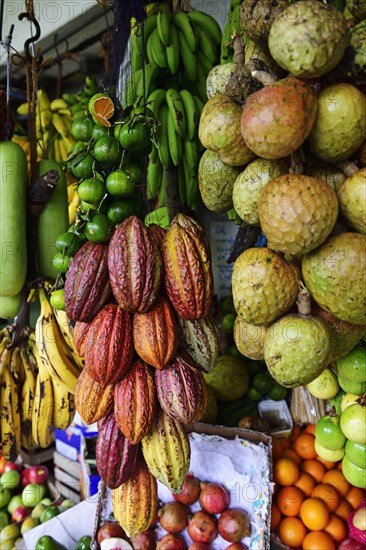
point(183, 277)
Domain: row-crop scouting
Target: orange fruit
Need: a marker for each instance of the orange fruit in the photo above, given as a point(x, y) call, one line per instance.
point(276, 448)
point(289, 500)
point(327, 464)
point(339, 465)
point(285, 471)
point(355, 496)
point(336, 478)
point(314, 468)
point(296, 431)
point(318, 540)
point(275, 516)
point(310, 429)
point(336, 528)
point(290, 453)
point(304, 446)
point(314, 514)
point(344, 509)
point(329, 494)
point(306, 483)
point(292, 532)
point(101, 108)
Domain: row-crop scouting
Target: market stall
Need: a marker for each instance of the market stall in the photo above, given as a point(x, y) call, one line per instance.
point(183, 277)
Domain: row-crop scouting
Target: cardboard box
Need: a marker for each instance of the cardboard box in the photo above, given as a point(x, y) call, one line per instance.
point(69, 442)
point(278, 415)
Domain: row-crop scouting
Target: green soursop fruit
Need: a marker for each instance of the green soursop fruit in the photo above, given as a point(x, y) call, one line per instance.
point(335, 274)
point(340, 123)
point(354, 59)
point(257, 16)
point(296, 349)
point(249, 184)
point(308, 38)
point(333, 176)
point(357, 8)
point(229, 379)
point(352, 200)
point(216, 182)
point(233, 80)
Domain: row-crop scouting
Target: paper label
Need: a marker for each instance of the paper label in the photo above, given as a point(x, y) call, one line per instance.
point(222, 237)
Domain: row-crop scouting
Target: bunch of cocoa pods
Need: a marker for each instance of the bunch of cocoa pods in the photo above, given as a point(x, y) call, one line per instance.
point(141, 310)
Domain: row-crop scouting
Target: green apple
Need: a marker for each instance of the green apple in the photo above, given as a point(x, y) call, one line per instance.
point(328, 433)
point(356, 452)
point(28, 524)
point(41, 507)
point(10, 479)
point(350, 386)
point(353, 423)
point(33, 493)
point(328, 454)
point(14, 502)
point(49, 513)
point(9, 532)
point(325, 386)
point(4, 519)
point(348, 400)
point(5, 496)
point(66, 504)
point(8, 544)
point(355, 475)
point(353, 365)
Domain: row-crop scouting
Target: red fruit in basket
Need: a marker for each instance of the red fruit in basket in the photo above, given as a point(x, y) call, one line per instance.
point(190, 491)
point(108, 530)
point(198, 546)
point(144, 541)
point(237, 546)
point(214, 498)
point(173, 517)
point(171, 542)
point(351, 544)
point(233, 525)
point(202, 527)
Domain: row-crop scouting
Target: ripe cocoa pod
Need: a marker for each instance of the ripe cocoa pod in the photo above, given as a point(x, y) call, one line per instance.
point(155, 334)
point(109, 345)
point(187, 268)
point(200, 338)
point(158, 233)
point(167, 451)
point(115, 455)
point(87, 285)
point(135, 266)
point(91, 400)
point(135, 502)
point(135, 402)
point(79, 335)
point(181, 388)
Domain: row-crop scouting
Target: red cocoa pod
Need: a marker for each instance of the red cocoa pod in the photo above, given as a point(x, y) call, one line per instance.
point(135, 266)
point(109, 345)
point(171, 542)
point(91, 400)
point(87, 285)
point(158, 233)
point(135, 402)
point(115, 455)
point(155, 334)
point(79, 336)
point(188, 274)
point(181, 389)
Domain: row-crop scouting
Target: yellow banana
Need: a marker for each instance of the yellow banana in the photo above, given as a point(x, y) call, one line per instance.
point(59, 124)
point(43, 101)
point(73, 207)
point(51, 347)
point(63, 406)
point(27, 397)
point(10, 417)
point(64, 325)
point(23, 109)
point(58, 104)
point(43, 408)
point(56, 148)
point(63, 150)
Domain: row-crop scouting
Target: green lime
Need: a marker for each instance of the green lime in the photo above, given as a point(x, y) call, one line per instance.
point(107, 150)
point(82, 128)
point(78, 147)
point(254, 366)
point(119, 210)
point(120, 183)
point(99, 132)
point(134, 169)
point(227, 322)
point(134, 137)
point(99, 229)
point(226, 305)
point(57, 299)
point(117, 129)
point(277, 392)
point(253, 394)
point(92, 190)
point(262, 382)
point(61, 262)
point(85, 168)
point(84, 543)
point(68, 243)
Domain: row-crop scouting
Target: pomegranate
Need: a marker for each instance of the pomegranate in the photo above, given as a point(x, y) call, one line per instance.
point(171, 542)
point(237, 546)
point(173, 517)
point(233, 525)
point(214, 498)
point(190, 491)
point(202, 527)
point(110, 529)
point(198, 546)
point(144, 541)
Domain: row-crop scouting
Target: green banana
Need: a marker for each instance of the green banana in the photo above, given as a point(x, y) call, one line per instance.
point(150, 74)
point(208, 45)
point(190, 154)
point(192, 189)
point(174, 141)
point(203, 61)
point(149, 49)
point(162, 192)
point(172, 52)
point(191, 112)
point(176, 109)
point(207, 22)
point(155, 101)
point(149, 25)
point(136, 52)
point(188, 58)
point(158, 50)
point(163, 26)
point(130, 91)
point(163, 145)
point(183, 23)
point(153, 177)
point(201, 83)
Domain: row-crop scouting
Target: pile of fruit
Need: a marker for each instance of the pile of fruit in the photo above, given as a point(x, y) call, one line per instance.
point(313, 500)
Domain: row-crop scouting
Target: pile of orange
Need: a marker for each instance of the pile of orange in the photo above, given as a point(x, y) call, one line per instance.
point(312, 498)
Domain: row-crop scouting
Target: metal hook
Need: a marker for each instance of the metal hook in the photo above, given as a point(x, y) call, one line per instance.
point(31, 18)
point(55, 45)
